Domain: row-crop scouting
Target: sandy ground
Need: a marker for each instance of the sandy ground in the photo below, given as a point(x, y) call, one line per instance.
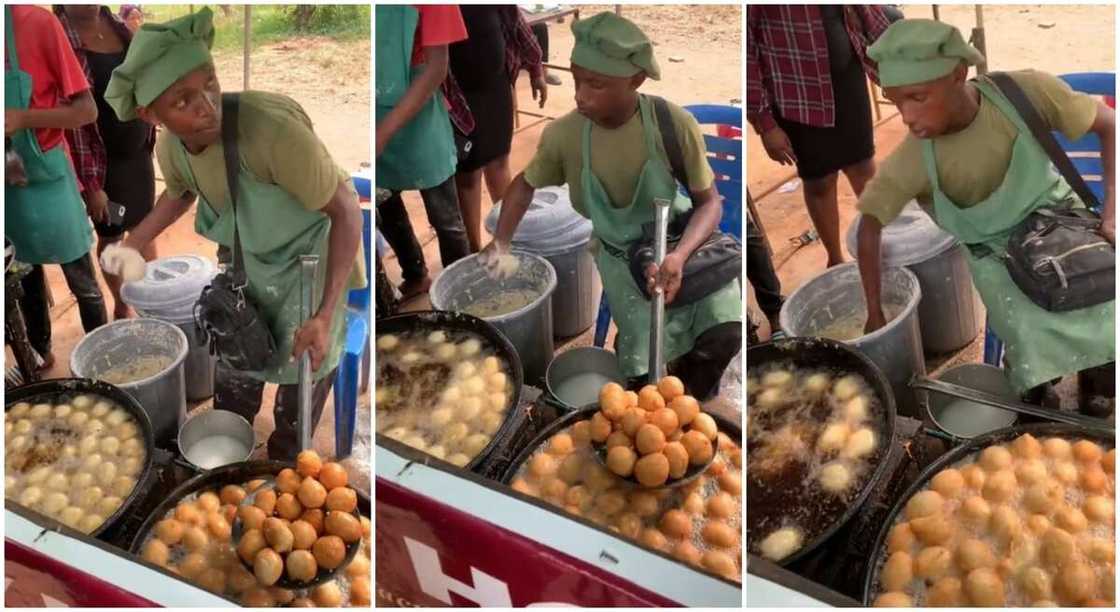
point(331, 81)
point(1053, 38)
point(705, 38)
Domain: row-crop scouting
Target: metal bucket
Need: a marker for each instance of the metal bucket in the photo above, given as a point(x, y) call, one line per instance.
point(528, 328)
point(215, 438)
point(577, 287)
point(896, 348)
point(965, 419)
point(576, 376)
point(163, 395)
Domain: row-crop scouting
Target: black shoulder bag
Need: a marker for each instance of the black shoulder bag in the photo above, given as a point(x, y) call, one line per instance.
point(716, 262)
point(237, 334)
point(1056, 256)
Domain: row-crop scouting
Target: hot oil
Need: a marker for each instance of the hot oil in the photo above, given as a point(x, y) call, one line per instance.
point(784, 464)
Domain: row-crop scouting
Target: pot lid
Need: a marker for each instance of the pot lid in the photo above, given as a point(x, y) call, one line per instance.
point(911, 238)
point(169, 283)
point(550, 226)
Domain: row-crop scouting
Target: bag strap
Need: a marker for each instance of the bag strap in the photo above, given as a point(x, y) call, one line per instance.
point(231, 104)
point(669, 139)
point(1044, 136)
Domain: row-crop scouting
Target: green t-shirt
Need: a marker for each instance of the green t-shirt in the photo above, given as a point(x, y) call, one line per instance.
point(618, 156)
point(278, 145)
point(971, 164)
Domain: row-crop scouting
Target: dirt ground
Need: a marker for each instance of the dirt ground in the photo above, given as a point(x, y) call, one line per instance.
point(706, 39)
point(1053, 38)
point(331, 81)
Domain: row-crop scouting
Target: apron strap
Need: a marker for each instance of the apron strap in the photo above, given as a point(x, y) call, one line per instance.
point(10, 37)
point(231, 104)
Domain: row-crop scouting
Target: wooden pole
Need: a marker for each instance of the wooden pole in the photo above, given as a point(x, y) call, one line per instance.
point(978, 39)
point(246, 46)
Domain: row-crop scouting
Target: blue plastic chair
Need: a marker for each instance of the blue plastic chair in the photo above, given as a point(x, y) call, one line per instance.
point(1085, 153)
point(725, 156)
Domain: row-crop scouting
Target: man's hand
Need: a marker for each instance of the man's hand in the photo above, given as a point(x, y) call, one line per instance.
point(540, 89)
point(97, 205)
point(13, 120)
point(1108, 219)
point(491, 255)
point(382, 142)
point(667, 278)
point(314, 337)
point(778, 146)
point(875, 320)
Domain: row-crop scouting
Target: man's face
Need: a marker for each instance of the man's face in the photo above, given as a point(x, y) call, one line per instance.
point(927, 108)
point(81, 11)
point(135, 20)
point(599, 97)
point(191, 108)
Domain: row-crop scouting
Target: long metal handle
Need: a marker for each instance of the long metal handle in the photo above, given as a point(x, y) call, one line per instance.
point(309, 267)
point(981, 397)
point(657, 306)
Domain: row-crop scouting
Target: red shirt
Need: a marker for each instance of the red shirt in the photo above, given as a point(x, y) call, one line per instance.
point(44, 53)
point(439, 24)
point(787, 61)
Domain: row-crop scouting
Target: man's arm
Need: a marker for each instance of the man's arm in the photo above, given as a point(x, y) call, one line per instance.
point(515, 202)
point(867, 249)
point(72, 114)
point(758, 99)
point(167, 211)
point(706, 214)
point(436, 62)
point(1104, 126)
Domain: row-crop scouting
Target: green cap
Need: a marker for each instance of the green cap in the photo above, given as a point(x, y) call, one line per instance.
point(919, 50)
point(614, 46)
point(159, 55)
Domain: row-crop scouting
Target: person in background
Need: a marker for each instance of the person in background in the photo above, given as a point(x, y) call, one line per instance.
point(499, 45)
point(113, 158)
point(45, 93)
point(293, 200)
point(971, 160)
point(132, 16)
point(415, 145)
point(609, 152)
point(540, 30)
point(761, 275)
point(807, 98)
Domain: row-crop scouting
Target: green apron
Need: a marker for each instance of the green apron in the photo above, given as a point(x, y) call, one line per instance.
point(275, 229)
point(422, 154)
point(617, 228)
point(45, 220)
point(1039, 345)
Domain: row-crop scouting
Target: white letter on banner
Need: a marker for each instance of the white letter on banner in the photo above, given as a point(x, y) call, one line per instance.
point(488, 592)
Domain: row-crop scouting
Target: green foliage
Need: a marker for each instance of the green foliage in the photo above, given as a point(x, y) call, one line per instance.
point(272, 22)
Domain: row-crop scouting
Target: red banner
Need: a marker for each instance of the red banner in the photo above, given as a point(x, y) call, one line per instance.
point(34, 580)
point(430, 554)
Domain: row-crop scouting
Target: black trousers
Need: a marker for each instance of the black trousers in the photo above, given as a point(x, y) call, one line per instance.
point(238, 393)
point(701, 368)
point(442, 205)
point(761, 274)
point(81, 278)
point(541, 32)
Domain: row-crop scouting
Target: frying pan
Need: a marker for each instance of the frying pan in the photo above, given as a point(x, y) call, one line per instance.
point(999, 436)
point(438, 320)
point(50, 390)
point(822, 353)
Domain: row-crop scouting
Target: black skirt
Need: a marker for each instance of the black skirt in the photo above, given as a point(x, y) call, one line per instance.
point(492, 108)
point(822, 151)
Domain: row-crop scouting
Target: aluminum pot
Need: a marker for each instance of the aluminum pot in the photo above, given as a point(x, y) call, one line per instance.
point(215, 438)
point(575, 376)
point(163, 395)
point(896, 348)
point(528, 328)
point(964, 419)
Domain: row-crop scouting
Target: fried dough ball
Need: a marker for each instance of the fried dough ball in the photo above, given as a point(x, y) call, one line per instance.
point(652, 470)
point(677, 455)
point(1027, 446)
point(542, 465)
point(900, 538)
point(946, 593)
point(1057, 448)
point(359, 591)
point(859, 444)
point(1057, 547)
point(653, 538)
point(1093, 479)
point(613, 406)
point(301, 566)
point(213, 580)
point(1099, 509)
point(267, 566)
point(170, 531)
point(1065, 472)
point(974, 476)
point(156, 552)
point(1036, 584)
point(973, 553)
point(676, 524)
point(1043, 497)
point(670, 387)
point(618, 438)
point(949, 483)
point(1031, 471)
point(781, 543)
point(208, 502)
point(343, 525)
point(719, 534)
point(897, 572)
point(610, 503)
point(258, 598)
point(219, 527)
point(333, 475)
point(926, 503)
point(232, 494)
point(241, 579)
point(288, 481)
point(311, 493)
point(699, 447)
point(1005, 523)
point(893, 599)
point(278, 535)
point(252, 541)
point(342, 499)
point(195, 539)
point(643, 503)
point(650, 439)
point(571, 468)
point(720, 563)
point(329, 551)
point(687, 552)
point(303, 535)
point(1038, 524)
point(621, 460)
point(984, 588)
point(597, 478)
point(932, 529)
point(833, 438)
point(705, 424)
point(1001, 486)
point(1108, 462)
point(933, 562)
point(686, 407)
point(721, 505)
point(288, 507)
point(1087, 452)
point(251, 517)
point(995, 458)
point(1071, 519)
point(266, 501)
point(193, 565)
point(649, 399)
point(1077, 582)
point(600, 427)
point(666, 420)
point(327, 595)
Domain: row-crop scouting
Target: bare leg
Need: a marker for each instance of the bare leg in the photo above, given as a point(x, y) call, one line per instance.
point(120, 309)
point(820, 199)
point(859, 174)
point(498, 177)
point(469, 185)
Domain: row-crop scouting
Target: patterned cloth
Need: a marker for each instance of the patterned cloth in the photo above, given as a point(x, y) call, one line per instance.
point(787, 61)
point(86, 146)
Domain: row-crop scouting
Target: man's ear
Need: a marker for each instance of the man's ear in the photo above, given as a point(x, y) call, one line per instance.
point(637, 80)
point(147, 115)
point(960, 73)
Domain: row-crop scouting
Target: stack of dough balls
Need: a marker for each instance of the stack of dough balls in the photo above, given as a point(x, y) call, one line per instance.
point(697, 523)
point(654, 435)
point(74, 460)
point(1027, 523)
point(469, 406)
point(304, 523)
